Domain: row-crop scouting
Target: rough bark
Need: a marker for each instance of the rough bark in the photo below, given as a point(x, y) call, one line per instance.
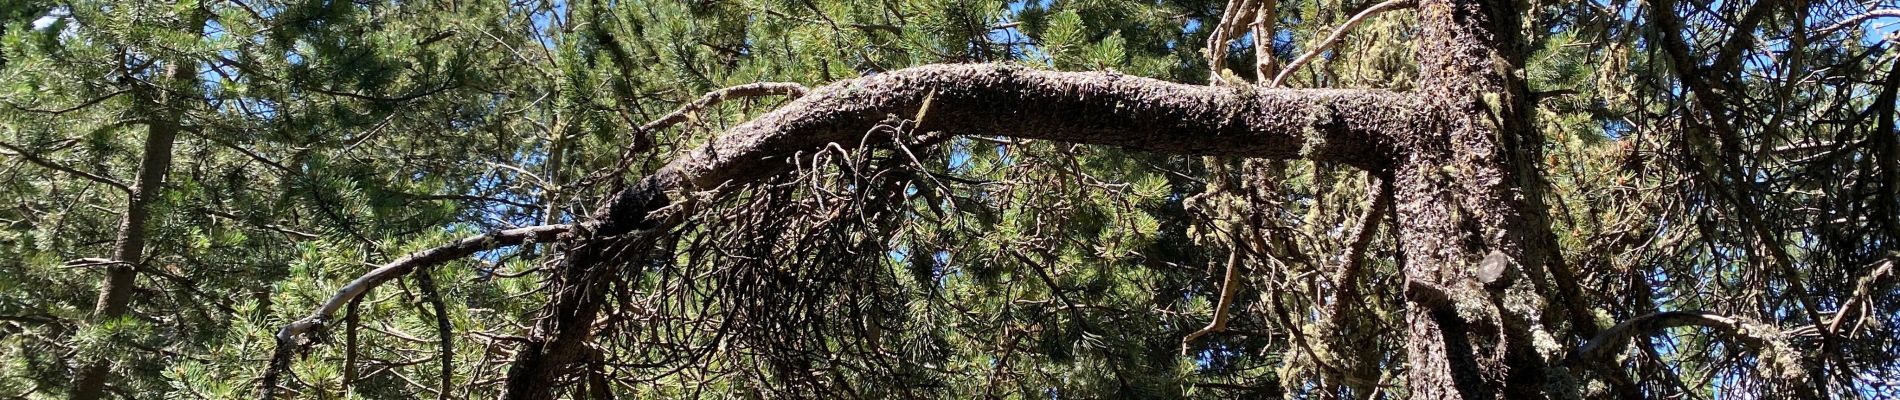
point(128, 249)
point(1344, 126)
point(1467, 189)
point(1463, 171)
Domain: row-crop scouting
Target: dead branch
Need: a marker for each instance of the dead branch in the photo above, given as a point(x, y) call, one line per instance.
point(715, 97)
point(290, 338)
point(1611, 341)
point(1338, 33)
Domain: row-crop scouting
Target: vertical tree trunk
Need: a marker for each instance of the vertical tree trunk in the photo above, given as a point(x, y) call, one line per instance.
point(115, 294)
point(1462, 196)
point(558, 338)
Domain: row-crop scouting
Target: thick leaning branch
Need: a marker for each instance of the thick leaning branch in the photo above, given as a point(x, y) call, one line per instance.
point(1353, 127)
point(1346, 126)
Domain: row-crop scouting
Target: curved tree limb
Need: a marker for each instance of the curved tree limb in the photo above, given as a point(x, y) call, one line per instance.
point(1338, 33)
point(1353, 127)
point(1863, 290)
point(1758, 337)
point(1611, 341)
point(1231, 25)
point(458, 249)
point(292, 335)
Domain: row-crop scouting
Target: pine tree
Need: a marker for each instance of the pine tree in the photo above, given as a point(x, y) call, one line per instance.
point(947, 199)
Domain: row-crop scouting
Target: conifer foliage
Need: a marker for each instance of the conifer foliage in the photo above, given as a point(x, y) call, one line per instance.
point(534, 199)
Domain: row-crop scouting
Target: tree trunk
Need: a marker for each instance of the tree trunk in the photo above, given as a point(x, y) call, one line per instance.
point(115, 294)
point(1466, 191)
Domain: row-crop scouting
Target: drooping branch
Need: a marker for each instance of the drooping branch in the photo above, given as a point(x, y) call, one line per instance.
point(458, 249)
point(1863, 290)
point(290, 337)
point(1353, 127)
point(1338, 33)
point(1347, 126)
point(1346, 282)
point(1229, 284)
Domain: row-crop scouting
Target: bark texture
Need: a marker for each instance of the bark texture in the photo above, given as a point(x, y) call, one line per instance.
point(1344, 126)
point(1461, 152)
point(1466, 190)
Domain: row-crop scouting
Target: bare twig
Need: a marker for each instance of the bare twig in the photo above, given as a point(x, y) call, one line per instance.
point(289, 338)
point(1231, 282)
point(426, 258)
point(49, 164)
point(87, 103)
point(713, 98)
point(1854, 20)
point(1338, 33)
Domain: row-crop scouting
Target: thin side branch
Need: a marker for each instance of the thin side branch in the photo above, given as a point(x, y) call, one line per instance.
point(1338, 33)
point(1611, 341)
point(291, 337)
point(49, 164)
point(1854, 20)
point(87, 103)
point(1227, 288)
point(1346, 283)
point(1863, 290)
point(458, 249)
point(715, 97)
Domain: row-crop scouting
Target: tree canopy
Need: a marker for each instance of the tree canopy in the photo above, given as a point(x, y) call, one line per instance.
point(949, 199)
